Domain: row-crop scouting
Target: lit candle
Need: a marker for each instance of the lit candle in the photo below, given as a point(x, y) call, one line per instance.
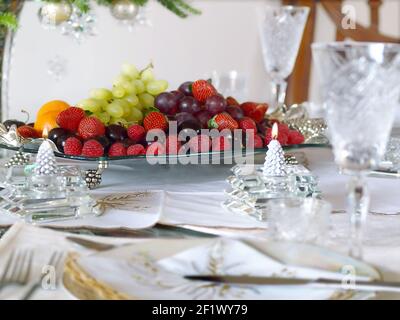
point(274, 164)
point(45, 133)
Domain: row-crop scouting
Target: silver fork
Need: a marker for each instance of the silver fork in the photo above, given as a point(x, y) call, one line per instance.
point(18, 269)
point(55, 261)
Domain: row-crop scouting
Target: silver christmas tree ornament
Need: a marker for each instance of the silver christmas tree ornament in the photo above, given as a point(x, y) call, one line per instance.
point(275, 164)
point(45, 160)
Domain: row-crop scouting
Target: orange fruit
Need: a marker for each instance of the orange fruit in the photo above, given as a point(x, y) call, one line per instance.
point(45, 123)
point(47, 115)
point(52, 106)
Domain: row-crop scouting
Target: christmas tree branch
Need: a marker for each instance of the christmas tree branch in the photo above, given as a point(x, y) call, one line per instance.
point(8, 20)
point(180, 7)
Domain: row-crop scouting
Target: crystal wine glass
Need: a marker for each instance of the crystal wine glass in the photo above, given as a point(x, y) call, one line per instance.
point(360, 90)
point(281, 30)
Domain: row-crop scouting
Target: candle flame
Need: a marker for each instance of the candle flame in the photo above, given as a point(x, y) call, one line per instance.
point(274, 132)
point(45, 132)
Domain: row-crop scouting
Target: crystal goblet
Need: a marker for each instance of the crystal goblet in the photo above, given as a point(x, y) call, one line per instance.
point(360, 91)
point(281, 31)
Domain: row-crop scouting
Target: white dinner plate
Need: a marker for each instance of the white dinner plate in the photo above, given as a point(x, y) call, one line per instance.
point(154, 270)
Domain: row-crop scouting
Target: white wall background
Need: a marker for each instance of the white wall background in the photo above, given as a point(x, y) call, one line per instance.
point(223, 38)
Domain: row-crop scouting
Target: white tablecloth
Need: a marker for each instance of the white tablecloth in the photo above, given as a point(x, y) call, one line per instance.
point(382, 240)
point(382, 234)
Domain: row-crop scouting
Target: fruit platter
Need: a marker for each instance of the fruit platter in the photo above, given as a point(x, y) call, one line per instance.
point(139, 118)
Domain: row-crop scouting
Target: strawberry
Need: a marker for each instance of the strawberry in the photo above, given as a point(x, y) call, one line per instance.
point(70, 118)
point(91, 127)
point(117, 149)
point(253, 110)
point(200, 143)
point(247, 123)
point(136, 133)
point(282, 137)
point(92, 148)
point(172, 145)
point(27, 132)
point(136, 150)
point(73, 146)
point(230, 101)
point(295, 137)
point(155, 149)
point(155, 120)
point(221, 143)
point(202, 89)
point(223, 121)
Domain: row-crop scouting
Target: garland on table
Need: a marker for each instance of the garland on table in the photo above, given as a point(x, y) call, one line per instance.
point(181, 8)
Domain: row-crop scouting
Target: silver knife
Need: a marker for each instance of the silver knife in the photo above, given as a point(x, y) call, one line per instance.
point(94, 245)
point(358, 285)
point(381, 173)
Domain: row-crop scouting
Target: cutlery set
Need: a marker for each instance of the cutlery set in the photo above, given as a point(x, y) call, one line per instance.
point(18, 271)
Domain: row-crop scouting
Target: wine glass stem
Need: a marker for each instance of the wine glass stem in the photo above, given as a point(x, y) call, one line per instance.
point(357, 207)
point(279, 93)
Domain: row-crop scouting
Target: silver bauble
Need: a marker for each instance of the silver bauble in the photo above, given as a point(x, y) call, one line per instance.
point(53, 14)
point(124, 10)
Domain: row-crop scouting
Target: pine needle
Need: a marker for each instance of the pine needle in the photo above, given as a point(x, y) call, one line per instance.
point(82, 5)
point(8, 20)
point(187, 7)
point(170, 5)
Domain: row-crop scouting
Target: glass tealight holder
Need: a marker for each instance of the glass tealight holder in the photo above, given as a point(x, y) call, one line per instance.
point(47, 186)
point(298, 219)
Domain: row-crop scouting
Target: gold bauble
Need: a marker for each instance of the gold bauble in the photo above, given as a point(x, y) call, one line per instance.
point(55, 13)
point(124, 10)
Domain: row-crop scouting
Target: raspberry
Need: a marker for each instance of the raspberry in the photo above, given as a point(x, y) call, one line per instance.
point(92, 148)
point(247, 123)
point(172, 145)
point(283, 129)
point(73, 146)
point(258, 142)
point(255, 141)
point(200, 143)
point(136, 150)
point(137, 133)
point(91, 127)
point(282, 137)
point(70, 118)
point(295, 137)
point(221, 143)
point(117, 149)
point(155, 149)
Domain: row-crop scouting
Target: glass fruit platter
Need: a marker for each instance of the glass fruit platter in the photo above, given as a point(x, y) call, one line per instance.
point(93, 177)
point(29, 148)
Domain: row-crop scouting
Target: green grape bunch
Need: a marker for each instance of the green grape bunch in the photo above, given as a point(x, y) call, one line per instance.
point(132, 95)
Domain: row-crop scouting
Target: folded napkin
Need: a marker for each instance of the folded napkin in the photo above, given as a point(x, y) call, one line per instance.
point(43, 242)
point(202, 211)
point(154, 270)
point(129, 210)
